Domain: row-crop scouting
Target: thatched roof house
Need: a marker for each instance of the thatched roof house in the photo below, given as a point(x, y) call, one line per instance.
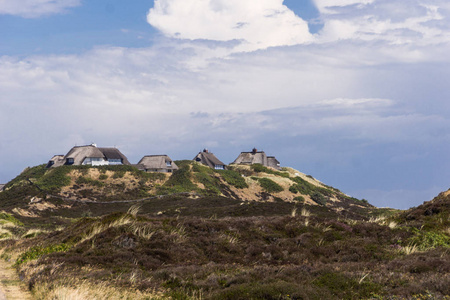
point(257, 157)
point(89, 155)
point(209, 159)
point(157, 163)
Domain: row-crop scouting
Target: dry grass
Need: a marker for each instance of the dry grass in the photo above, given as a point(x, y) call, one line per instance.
point(305, 213)
point(134, 210)
point(34, 232)
point(294, 212)
point(144, 231)
point(392, 224)
point(6, 234)
point(69, 289)
point(410, 249)
point(99, 228)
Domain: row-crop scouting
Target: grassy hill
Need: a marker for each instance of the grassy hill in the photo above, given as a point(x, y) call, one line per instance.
point(243, 233)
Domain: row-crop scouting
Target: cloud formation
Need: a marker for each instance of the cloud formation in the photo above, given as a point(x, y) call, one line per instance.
point(397, 23)
point(35, 8)
point(258, 23)
point(361, 108)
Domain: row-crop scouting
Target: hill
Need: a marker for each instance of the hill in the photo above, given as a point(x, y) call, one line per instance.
point(244, 233)
point(76, 191)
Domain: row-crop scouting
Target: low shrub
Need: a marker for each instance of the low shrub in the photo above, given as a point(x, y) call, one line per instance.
point(269, 185)
point(259, 168)
point(36, 252)
point(233, 178)
point(425, 240)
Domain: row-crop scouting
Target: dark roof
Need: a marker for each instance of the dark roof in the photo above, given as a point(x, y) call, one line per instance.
point(80, 153)
point(257, 157)
point(250, 158)
point(157, 162)
point(208, 159)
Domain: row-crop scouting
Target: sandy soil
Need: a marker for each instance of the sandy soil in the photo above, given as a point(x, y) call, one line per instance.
point(11, 288)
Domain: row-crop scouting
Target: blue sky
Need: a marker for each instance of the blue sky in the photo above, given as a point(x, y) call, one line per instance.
point(353, 92)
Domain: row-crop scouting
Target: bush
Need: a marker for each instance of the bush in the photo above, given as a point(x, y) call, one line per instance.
point(179, 182)
point(211, 184)
point(319, 198)
point(54, 179)
point(269, 185)
point(36, 252)
point(233, 178)
point(300, 199)
point(425, 240)
point(259, 168)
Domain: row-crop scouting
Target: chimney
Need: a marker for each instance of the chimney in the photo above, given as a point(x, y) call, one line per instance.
point(206, 150)
point(254, 150)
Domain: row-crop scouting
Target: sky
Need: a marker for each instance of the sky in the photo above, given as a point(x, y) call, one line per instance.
point(352, 92)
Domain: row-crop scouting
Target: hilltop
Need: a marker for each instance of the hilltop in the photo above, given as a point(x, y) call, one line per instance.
point(38, 190)
point(250, 232)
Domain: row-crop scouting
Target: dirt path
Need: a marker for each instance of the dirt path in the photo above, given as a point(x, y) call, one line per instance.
point(11, 288)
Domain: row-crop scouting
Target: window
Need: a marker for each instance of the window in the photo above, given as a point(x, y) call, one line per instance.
point(219, 167)
point(69, 161)
point(168, 163)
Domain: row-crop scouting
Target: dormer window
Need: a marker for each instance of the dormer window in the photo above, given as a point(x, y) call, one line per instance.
point(69, 161)
point(168, 163)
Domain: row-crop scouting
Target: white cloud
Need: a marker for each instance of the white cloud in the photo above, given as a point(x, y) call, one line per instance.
point(326, 6)
point(374, 81)
point(36, 8)
point(259, 23)
point(394, 22)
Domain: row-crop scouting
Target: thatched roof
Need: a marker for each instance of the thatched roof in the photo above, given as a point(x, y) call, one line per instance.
point(157, 162)
point(273, 162)
point(56, 160)
point(257, 157)
point(209, 159)
point(79, 153)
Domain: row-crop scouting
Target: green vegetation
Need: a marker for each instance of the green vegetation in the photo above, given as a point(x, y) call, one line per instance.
point(214, 244)
point(233, 178)
point(426, 240)
point(89, 181)
point(258, 168)
point(54, 179)
point(36, 252)
point(212, 184)
point(269, 185)
point(5, 218)
point(179, 182)
point(276, 257)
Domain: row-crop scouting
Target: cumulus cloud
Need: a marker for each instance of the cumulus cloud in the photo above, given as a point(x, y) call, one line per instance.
point(258, 23)
point(36, 8)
